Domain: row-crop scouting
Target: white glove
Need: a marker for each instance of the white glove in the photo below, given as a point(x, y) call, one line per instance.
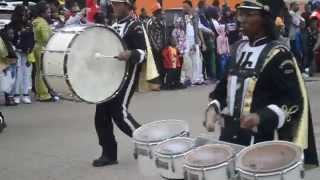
point(211, 118)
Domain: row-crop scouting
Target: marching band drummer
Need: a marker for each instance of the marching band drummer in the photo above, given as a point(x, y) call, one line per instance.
point(263, 96)
point(116, 109)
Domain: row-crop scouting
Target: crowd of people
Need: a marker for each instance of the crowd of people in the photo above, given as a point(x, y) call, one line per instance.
point(204, 35)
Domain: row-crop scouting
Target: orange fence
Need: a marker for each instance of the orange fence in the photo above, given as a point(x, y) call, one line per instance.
point(148, 4)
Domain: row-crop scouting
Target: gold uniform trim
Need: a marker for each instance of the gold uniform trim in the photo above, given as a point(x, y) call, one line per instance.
point(301, 135)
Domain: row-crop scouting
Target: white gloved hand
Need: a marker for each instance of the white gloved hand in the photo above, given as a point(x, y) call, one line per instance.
point(211, 119)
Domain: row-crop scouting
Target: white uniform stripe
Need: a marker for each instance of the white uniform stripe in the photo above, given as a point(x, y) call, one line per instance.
point(280, 113)
point(142, 55)
point(217, 103)
point(124, 111)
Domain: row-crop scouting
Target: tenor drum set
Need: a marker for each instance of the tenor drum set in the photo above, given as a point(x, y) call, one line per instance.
point(164, 149)
point(71, 63)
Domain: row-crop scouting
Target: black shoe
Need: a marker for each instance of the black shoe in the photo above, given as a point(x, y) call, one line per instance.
point(180, 86)
point(10, 101)
point(103, 161)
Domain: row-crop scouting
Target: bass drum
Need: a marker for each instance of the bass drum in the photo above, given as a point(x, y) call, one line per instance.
point(78, 63)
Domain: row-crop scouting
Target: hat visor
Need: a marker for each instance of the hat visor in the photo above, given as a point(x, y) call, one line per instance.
point(250, 7)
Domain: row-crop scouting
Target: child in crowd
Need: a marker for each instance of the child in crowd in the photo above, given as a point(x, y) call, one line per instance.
point(223, 50)
point(172, 61)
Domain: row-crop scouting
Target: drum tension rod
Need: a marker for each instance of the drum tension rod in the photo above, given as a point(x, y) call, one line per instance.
point(150, 152)
point(203, 174)
point(172, 165)
point(135, 153)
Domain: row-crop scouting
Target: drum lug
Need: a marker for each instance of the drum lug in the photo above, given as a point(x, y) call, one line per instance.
point(185, 174)
point(281, 176)
point(302, 173)
point(203, 174)
point(157, 162)
point(135, 153)
point(150, 153)
point(228, 172)
point(172, 165)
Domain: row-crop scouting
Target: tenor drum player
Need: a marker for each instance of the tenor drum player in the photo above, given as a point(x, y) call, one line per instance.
point(115, 111)
point(263, 96)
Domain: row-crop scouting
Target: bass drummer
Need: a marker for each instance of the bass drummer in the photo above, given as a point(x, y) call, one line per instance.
point(263, 96)
point(116, 109)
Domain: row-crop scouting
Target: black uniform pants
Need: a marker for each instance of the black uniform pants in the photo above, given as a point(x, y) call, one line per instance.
point(114, 111)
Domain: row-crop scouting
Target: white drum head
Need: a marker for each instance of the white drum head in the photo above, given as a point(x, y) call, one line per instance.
point(209, 155)
point(160, 130)
point(95, 79)
point(93, 75)
point(268, 157)
point(175, 146)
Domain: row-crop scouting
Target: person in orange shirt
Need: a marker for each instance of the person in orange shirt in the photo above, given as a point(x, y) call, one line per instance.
point(172, 62)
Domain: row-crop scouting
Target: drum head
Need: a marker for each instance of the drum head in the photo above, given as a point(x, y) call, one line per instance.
point(268, 157)
point(160, 130)
point(95, 79)
point(209, 155)
point(175, 146)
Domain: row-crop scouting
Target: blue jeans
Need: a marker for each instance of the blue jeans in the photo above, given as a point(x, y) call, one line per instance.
point(223, 64)
point(23, 76)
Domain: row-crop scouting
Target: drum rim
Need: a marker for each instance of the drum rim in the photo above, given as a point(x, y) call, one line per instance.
point(163, 155)
point(212, 166)
point(65, 61)
point(246, 170)
point(149, 143)
point(284, 171)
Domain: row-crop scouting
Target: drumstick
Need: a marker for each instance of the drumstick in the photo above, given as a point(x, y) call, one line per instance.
point(99, 55)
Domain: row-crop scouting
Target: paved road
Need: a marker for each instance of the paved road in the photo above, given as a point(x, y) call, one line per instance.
point(57, 141)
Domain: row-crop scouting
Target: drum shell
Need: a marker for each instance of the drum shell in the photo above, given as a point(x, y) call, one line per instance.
point(293, 169)
point(295, 172)
point(146, 160)
point(223, 171)
point(57, 57)
point(175, 164)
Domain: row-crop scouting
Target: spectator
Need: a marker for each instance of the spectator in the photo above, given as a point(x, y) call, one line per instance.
point(24, 42)
point(294, 32)
point(156, 27)
point(56, 18)
point(192, 66)
point(223, 51)
point(207, 41)
point(9, 58)
point(42, 33)
point(144, 16)
point(312, 36)
point(92, 9)
point(172, 66)
point(230, 22)
point(179, 35)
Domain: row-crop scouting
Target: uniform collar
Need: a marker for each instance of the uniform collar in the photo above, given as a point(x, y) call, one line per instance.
point(260, 41)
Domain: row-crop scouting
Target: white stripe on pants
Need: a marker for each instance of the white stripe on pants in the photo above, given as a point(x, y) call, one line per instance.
point(23, 81)
point(192, 66)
